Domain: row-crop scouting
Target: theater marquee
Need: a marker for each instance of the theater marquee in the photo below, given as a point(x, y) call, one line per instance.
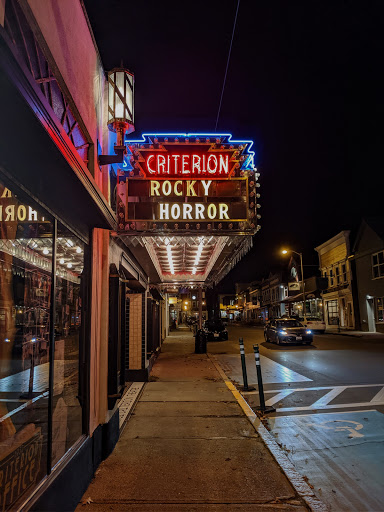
point(188, 183)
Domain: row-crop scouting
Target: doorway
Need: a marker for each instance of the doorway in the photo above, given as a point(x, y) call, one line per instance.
point(371, 316)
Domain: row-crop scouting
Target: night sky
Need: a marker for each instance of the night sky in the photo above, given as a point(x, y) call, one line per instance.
point(305, 82)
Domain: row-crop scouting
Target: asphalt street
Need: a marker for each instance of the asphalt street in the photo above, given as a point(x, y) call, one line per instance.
point(329, 400)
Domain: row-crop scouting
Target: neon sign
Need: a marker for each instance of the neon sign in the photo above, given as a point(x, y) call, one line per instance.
point(188, 182)
point(187, 165)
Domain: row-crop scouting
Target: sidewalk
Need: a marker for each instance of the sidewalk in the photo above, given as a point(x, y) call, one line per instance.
point(357, 334)
point(189, 447)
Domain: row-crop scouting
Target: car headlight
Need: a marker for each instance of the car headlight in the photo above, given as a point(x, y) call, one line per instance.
point(308, 332)
point(283, 332)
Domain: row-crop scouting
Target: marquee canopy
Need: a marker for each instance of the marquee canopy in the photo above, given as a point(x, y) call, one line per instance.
point(189, 202)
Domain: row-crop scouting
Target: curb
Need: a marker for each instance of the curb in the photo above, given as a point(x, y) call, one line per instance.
point(296, 480)
point(344, 334)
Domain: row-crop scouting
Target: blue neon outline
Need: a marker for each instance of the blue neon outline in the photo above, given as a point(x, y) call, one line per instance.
point(229, 135)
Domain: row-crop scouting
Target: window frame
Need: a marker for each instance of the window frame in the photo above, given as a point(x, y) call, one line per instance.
point(377, 265)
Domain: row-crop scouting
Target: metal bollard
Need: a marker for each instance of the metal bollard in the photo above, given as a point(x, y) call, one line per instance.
point(262, 407)
point(200, 342)
point(244, 368)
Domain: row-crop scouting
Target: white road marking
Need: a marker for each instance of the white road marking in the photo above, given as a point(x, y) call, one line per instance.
point(278, 397)
point(341, 428)
point(324, 407)
point(324, 400)
point(379, 397)
point(311, 414)
point(319, 388)
point(348, 470)
point(272, 372)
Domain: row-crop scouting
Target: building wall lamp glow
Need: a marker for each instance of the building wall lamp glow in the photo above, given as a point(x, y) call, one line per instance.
point(120, 112)
point(284, 251)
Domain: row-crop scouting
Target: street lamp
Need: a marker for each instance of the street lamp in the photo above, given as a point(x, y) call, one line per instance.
point(302, 280)
point(120, 111)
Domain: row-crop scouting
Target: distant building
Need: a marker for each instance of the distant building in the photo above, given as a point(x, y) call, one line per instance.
point(369, 270)
point(274, 290)
point(313, 301)
point(334, 262)
point(252, 306)
point(229, 308)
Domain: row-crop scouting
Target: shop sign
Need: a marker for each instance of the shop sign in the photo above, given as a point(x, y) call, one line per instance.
point(20, 468)
point(295, 286)
point(187, 183)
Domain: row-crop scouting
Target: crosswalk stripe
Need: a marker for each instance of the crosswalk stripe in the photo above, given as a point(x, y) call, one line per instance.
point(324, 400)
point(278, 397)
point(379, 397)
point(318, 388)
point(331, 406)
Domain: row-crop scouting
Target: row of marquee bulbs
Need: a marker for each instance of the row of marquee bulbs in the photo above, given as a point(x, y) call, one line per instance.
point(170, 260)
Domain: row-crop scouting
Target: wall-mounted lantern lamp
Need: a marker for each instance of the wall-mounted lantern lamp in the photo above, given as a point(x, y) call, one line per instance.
point(120, 111)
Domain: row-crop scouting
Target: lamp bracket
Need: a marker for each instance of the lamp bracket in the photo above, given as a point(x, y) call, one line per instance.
point(118, 158)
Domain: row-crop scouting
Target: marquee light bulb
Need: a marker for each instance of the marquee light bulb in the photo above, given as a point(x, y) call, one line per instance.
point(69, 265)
point(170, 260)
point(61, 261)
point(198, 254)
point(78, 250)
point(45, 250)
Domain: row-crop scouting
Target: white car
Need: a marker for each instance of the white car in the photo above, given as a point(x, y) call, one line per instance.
point(315, 324)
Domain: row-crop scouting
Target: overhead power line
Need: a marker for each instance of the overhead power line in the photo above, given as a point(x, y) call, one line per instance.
point(226, 68)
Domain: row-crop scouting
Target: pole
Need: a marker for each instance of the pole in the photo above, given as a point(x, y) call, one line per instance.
point(302, 279)
point(262, 407)
point(31, 374)
point(200, 307)
point(243, 366)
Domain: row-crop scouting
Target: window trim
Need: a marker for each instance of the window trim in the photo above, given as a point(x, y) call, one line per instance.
point(378, 264)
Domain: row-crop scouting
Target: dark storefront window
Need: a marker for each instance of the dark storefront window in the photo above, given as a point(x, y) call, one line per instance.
point(28, 294)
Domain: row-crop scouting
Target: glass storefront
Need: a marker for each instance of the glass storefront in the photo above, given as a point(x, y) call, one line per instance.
point(39, 422)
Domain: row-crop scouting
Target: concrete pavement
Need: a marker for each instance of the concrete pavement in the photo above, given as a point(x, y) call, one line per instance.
point(329, 410)
point(189, 446)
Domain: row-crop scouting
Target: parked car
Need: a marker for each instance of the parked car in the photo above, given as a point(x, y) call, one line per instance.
point(215, 330)
point(315, 324)
point(287, 330)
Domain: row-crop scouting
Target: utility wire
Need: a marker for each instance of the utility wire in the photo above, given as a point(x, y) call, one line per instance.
point(226, 69)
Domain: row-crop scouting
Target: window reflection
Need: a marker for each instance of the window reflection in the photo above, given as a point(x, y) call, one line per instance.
point(67, 414)
point(25, 300)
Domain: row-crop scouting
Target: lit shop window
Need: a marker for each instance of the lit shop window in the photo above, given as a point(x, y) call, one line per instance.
point(67, 415)
point(26, 237)
point(380, 309)
point(29, 341)
point(378, 265)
